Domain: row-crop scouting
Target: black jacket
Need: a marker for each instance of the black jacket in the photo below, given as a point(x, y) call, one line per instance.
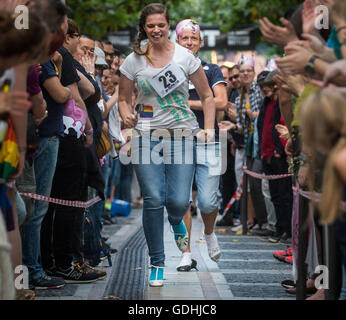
point(279, 148)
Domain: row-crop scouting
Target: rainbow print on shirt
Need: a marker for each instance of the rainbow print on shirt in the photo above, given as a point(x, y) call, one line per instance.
point(147, 112)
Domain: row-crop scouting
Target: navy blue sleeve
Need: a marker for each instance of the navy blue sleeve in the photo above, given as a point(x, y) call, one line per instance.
point(48, 71)
point(216, 76)
point(68, 72)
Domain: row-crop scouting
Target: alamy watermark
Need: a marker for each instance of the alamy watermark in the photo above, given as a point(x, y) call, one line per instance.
point(162, 146)
point(322, 20)
point(21, 277)
point(22, 19)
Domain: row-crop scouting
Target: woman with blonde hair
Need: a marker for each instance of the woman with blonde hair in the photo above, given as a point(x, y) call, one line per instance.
point(323, 126)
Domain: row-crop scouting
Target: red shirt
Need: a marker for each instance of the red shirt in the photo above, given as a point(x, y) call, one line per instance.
point(268, 145)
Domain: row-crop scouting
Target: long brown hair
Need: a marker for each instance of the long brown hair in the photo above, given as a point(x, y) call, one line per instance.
point(15, 41)
point(323, 126)
point(153, 8)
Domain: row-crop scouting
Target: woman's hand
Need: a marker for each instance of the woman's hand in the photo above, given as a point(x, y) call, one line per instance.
point(226, 125)
point(130, 120)
point(296, 60)
point(278, 35)
point(283, 131)
point(206, 135)
point(334, 70)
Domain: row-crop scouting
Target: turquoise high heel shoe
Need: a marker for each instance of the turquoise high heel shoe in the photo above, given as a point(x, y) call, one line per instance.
point(156, 276)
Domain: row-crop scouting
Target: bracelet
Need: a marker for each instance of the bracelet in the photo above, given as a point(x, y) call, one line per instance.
point(339, 29)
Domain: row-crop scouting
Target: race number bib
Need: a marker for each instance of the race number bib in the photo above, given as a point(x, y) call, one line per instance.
point(167, 80)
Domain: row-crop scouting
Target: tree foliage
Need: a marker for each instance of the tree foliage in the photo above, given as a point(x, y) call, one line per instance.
point(230, 14)
point(97, 17)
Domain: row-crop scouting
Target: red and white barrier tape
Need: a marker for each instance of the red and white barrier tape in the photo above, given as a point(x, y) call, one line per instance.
point(69, 203)
point(263, 176)
point(237, 195)
point(315, 196)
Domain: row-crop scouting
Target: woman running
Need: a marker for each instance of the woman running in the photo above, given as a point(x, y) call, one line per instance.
point(162, 142)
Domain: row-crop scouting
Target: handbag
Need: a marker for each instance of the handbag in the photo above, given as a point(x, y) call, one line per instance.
point(104, 146)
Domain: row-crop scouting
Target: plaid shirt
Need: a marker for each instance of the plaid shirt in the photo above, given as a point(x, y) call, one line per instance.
point(256, 100)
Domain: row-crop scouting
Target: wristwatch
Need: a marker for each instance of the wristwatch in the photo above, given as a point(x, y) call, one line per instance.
point(309, 68)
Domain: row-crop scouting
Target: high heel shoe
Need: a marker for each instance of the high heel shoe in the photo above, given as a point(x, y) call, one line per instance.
point(156, 276)
point(188, 267)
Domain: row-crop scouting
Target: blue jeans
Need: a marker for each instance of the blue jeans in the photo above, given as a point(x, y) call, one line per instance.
point(44, 165)
point(165, 178)
point(208, 168)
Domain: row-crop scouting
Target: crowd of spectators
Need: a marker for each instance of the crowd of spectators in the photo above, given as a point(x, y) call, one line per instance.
point(291, 120)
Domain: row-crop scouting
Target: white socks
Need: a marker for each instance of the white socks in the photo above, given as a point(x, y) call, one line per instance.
point(211, 240)
point(186, 259)
point(213, 246)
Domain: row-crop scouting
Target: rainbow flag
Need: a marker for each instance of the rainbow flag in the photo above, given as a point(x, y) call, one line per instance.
point(9, 153)
point(147, 112)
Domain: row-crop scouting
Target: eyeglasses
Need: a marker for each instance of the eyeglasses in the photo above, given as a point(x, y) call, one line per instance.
point(246, 70)
point(233, 77)
point(75, 35)
point(112, 55)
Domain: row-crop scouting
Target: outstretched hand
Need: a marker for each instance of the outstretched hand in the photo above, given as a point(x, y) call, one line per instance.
point(276, 34)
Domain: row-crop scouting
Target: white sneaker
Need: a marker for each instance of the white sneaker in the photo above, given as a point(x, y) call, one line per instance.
point(237, 228)
point(236, 222)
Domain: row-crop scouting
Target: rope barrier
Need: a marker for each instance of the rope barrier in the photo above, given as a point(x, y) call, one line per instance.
point(266, 177)
point(238, 193)
point(69, 203)
point(315, 196)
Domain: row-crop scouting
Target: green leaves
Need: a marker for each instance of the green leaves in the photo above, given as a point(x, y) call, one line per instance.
point(97, 17)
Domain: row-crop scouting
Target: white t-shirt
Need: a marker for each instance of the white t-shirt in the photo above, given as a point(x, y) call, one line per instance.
point(173, 110)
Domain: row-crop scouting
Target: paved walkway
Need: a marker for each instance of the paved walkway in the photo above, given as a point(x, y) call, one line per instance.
point(246, 271)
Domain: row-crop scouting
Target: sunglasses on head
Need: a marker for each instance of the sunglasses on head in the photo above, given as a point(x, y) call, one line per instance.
point(233, 77)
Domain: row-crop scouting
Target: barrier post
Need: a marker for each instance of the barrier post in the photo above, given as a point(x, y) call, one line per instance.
point(244, 203)
point(331, 261)
point(302, 246)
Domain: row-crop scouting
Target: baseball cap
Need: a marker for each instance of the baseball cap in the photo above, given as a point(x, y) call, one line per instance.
point(270, 77)
point(100, 57)
point(262, 77)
